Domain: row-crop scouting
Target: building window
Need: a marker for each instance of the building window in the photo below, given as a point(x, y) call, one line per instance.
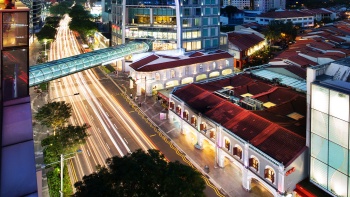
point(157, 76)
point(237, 151)
point(185, 115)
point(178, 110)
point(212, 134)
point(270, 174)
point(227, 63)
point(227, 144)
point(200, 68)
point(214, 65)
point(203, 127)
point(171, 105)
point(198, 11)
point(193, 121)
point(187, 70)
point(254, 163)
point(172, 74)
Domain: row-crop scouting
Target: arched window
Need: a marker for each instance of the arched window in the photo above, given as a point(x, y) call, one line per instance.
point(270, 174)
point(254, 163)
point(227, 63)
point(237, 151)
point(157, 76)
point(178, 110)
point(172, 74)
point(227, 144)
point(194, 121)
point(212, 134)
point(203, 126)
point(185, 115)
point(214, 65)
point(171, 105)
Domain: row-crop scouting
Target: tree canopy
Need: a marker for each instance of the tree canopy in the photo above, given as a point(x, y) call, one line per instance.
point(82, 21)
point(60, 8)
point(277, 30)
point(54, 114)
point(47, 32)
point(142, 174)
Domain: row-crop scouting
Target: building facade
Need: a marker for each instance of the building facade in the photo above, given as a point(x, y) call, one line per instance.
point(168, 24)
point(302, 19)
point(18, 174)
point(157, 71)
point(257, 5)
point(263, 151)
point(328, 110)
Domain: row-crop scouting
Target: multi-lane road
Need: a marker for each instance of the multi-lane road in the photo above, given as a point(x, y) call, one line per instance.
point(113, 130)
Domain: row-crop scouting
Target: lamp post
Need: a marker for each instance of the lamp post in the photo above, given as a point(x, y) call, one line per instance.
point(45, 42)
point(62, 167)
point(75, 94)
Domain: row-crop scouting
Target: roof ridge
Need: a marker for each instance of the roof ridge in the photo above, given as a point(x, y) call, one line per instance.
point(263, 135)
point(267, 92)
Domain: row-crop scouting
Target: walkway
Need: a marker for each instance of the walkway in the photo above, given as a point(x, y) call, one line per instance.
point(66, 66)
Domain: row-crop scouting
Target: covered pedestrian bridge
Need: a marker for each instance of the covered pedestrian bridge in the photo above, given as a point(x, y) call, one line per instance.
point(59, 68)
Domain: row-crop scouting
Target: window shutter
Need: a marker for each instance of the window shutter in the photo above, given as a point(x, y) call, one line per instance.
point(201, 126)
point(235, 151)
point(273, 178)
point(266, 173)
point(192, 120)
point(184, 115)
point(251, 162)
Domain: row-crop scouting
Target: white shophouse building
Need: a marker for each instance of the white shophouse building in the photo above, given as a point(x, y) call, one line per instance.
point(262, 150)
point(159, 71)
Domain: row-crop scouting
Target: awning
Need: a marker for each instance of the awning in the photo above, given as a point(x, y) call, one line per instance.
point(163, 96)
point(303, 192)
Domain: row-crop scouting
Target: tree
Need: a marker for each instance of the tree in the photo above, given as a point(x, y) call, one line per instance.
point(47, 32)
point(60, 8)
point(82, 21)
point(54, 114)
point(142, 174)
point(273, 31)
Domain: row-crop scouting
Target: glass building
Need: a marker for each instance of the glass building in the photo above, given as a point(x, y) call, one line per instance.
point(167, 24)
point(329, 90)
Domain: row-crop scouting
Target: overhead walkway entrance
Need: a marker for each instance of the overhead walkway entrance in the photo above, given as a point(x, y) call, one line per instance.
point(59, 68)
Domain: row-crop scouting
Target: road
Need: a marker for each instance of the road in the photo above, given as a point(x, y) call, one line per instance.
point(115, 128)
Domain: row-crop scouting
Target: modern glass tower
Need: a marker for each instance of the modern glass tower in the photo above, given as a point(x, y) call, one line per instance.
point(167, 24)
point(328, 112)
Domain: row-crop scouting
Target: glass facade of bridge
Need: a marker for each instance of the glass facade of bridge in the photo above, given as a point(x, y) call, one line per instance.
point(59, 68)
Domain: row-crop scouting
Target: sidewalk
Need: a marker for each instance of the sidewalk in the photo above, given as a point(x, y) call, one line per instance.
point(228, 179)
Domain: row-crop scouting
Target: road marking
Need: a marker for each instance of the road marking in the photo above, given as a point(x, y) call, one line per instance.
point(92, 117)
point(115, 126)
point(153, 135)
point(171, 130)
point(98, 129)
point(108, 146)
point(126, 141)
point(87, 150)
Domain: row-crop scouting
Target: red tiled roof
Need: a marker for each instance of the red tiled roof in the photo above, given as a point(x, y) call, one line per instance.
point(196, 54)
point(299, 71)
point(244, 41)
point(284, 14)
point(302, 62)
point(280, 143)
point(136, 65)
point(177, 63)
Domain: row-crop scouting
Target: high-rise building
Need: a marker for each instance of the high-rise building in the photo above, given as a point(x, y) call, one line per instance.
point(167, 24)
point(328, 129)
point(34, 15)
point(18, 174)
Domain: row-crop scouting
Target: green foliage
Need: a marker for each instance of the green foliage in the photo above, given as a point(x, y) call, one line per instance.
point(60, 8)
point(229, 10)
point(278, 30)
point(142, 174)
point(47, 32)
point(107, 69)
point(259, 58)
point(53, 21)
point(54, 182)
point(82, 21)
point(54, 114)
point(227, 28)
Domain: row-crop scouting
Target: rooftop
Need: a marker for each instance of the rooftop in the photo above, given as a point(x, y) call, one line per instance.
point(262, 128)
point(285, 14)
point(243, 40)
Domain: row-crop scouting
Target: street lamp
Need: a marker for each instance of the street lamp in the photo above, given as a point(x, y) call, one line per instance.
point(64, 96)
point(62, 167)
point(45, 42)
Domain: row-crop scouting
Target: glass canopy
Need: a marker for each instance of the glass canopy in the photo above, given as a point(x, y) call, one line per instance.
point(59, 68)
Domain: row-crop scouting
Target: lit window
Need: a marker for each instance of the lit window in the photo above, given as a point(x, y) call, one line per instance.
point(214, 65)
point(237, 151)
point(227, 144)
point(172, 74)
point(157, 76)
point(270, 174)
point(254, 163)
